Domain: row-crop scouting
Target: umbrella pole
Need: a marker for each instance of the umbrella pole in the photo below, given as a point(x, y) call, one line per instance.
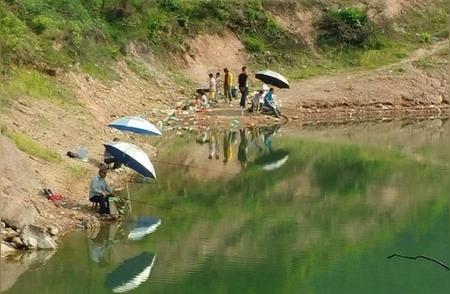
point(129, 198)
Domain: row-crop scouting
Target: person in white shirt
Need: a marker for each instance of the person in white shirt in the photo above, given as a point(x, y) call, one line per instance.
point(257, 101)
point(218, 85)
point(212, 87)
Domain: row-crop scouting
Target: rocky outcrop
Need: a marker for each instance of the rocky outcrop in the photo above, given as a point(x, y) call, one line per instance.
point(17, 214)
point(34, 237)
point(29, 237)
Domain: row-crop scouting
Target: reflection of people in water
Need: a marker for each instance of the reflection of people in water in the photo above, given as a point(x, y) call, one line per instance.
point(243, 148)
point(202, 137)
point(213, 144)
point(100, 245)
point(256, 139)
point(227, 153)
point(267, 133)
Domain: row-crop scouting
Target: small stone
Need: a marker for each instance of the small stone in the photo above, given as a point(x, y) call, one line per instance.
point(53, 231)
point(17, 241)
point(32, 243)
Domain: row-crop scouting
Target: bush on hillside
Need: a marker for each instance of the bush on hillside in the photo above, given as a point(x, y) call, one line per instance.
point(344, 26)
point(253, 44)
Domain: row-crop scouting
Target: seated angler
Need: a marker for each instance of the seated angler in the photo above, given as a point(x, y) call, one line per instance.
point(100, 191)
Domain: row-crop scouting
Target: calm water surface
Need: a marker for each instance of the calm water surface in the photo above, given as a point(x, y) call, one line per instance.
point(273, 210)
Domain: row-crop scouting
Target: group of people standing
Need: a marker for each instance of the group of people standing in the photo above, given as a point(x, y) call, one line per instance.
point(262, 98)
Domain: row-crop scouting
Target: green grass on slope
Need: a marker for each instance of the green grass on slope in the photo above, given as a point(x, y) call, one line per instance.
point(30, 146)
point(23, 83)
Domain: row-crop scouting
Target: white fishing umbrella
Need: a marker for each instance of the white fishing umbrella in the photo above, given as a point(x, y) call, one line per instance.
point(135, 124)
point(132, 156)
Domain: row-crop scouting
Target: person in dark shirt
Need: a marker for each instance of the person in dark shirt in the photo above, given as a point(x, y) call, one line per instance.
point(243, 86)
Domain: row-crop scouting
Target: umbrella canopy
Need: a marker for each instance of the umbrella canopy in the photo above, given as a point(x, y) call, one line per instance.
point(135, 124)
point(131, 273)
point(272, 78)
point(131, 156)
point(273, 160)
point(143, 226)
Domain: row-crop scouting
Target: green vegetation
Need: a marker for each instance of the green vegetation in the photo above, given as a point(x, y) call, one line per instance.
point(95, 33)
point(140, 69)
point(30, 146)
point(347, 26)
point(23, 82)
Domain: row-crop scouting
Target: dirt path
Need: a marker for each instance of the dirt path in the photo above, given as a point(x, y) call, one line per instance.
point(400, 89)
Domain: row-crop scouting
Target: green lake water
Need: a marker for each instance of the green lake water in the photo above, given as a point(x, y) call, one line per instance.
point(274, 210)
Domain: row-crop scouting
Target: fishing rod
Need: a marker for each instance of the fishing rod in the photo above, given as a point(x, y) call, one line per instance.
point(192, 166)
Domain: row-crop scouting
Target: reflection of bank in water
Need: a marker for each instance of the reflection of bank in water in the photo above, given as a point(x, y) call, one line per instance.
point(131, 273)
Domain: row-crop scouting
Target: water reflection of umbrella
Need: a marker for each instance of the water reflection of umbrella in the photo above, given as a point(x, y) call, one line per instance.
point(135, 124)
point(273, 160)
point(272, 78)
point(143, 226)
point(133, 157)
point(131, 273)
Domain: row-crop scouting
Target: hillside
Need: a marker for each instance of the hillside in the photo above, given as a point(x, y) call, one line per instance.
point(69, 67)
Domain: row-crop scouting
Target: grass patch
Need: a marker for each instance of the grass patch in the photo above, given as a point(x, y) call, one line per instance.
point(431, 21)
point(77, 171)
point(140, 69)
point(100, 71)
point(33, 84)
point(30, 146)
point(426, 63)
point(180, 79)
point(333, 60)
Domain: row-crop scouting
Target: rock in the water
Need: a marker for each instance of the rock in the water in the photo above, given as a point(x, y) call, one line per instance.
point(6, 249)
point(35, 237)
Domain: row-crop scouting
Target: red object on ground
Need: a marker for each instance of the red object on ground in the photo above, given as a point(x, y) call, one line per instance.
point(55, 197)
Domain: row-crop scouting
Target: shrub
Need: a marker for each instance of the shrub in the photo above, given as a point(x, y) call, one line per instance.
point(424, 37)
point(156, 22)
point(18, 44)
point(253, 44)
point(348, 26)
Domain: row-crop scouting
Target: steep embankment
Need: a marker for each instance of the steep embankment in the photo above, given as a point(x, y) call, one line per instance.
point(68, 70)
